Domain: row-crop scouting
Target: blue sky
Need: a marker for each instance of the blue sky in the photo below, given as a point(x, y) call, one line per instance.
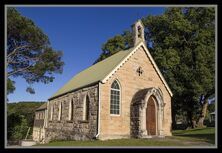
point(79, 32)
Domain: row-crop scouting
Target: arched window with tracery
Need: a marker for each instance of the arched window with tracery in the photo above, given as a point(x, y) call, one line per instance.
point(115, 98)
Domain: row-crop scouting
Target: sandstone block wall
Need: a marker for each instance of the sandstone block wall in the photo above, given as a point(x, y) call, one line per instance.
point(117, 126)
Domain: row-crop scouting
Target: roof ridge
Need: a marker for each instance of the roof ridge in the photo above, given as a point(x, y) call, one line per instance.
point(100, 61)
point(103, 68)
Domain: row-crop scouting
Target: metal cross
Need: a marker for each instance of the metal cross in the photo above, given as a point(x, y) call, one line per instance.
point(139, 70)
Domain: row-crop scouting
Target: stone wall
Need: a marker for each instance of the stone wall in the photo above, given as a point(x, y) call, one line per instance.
point(77, 128)
point(40, 120)
point(38, 134)
point(115, 126)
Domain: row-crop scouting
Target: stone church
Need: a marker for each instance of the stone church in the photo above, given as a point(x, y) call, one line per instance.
point(123, 96)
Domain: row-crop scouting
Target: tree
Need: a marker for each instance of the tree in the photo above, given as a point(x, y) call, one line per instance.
point(115, 44)
point(211, 107)
point(182, 43)
point(29, 54)
point(10, 86)
point(19, 127)
point(20, 116)
point(183, 46)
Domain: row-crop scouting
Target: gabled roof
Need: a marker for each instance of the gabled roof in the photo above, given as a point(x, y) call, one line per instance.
point(94, 73)
point(102, 71)
point(152, 61)
point(43, 106)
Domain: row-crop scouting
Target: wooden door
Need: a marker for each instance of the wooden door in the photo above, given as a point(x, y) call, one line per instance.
point(151, 117)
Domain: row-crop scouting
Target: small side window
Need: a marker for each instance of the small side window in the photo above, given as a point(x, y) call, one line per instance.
point(86, 108)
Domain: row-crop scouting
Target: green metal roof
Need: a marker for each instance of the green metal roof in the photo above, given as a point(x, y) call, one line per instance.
point(94, 73)
point(43, 106)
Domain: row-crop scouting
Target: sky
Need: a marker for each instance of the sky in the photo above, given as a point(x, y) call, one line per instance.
point(79, 32)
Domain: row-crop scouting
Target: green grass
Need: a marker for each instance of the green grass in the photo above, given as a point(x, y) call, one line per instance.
point(193, 137)
point(117, 142)
point(204, 134)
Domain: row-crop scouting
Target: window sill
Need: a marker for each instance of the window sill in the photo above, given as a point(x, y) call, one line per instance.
point(70, 121)
point(114, 115)
point(83, 121)
point(55, 121)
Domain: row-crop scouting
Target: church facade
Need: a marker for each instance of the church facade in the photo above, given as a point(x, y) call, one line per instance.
point(123, 96)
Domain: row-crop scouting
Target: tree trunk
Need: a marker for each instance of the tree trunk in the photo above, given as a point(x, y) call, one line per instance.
point(174, 120)
point(202, 116)
point(190, 122)
point(194, 123)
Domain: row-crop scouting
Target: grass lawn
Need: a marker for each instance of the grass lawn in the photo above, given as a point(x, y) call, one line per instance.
point(204, 134)
point(117, 142)
point(193, 137)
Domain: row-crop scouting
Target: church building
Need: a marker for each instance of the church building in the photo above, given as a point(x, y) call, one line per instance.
point(123, 96)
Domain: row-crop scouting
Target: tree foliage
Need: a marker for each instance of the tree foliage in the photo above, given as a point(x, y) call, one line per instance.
point(17, 127)
point(20, 116)
point(211, 107)
point(10, 86)
point(182, 43)
point(115, 44)
point(29, 54)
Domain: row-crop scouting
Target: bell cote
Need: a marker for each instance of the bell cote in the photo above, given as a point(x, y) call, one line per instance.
point(138, 32)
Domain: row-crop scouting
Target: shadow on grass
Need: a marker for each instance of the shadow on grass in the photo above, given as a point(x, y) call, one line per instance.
point(210, 138)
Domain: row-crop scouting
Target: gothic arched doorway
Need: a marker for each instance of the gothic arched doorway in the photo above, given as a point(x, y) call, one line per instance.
point(151, 116)
point(147, 113)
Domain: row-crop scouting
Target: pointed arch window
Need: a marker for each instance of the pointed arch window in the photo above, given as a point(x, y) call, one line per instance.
point(71, 109)
point(37, 116)
point(115, 98)
point(52, 110)
point(86, 108)
point(60, 111)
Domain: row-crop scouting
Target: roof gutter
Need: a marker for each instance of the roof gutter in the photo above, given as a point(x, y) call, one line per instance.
point(98, 114)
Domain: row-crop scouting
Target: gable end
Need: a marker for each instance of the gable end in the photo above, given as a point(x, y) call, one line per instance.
point(152, 61)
